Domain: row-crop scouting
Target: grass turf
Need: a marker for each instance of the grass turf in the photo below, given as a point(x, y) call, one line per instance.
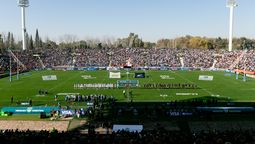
point(222, 87)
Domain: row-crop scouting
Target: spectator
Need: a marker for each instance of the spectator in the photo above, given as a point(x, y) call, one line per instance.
point(11, 99)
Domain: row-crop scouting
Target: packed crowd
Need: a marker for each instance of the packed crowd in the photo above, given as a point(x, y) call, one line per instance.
point(3, 63)
point(155, 136)
point(139, 57)
point(248, 61)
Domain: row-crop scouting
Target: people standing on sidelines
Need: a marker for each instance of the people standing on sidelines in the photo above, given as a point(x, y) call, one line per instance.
point(11, 99)
point(30, 102)
point(56, 97)
point(124, 93)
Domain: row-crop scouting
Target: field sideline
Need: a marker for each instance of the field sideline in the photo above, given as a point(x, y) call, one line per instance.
point(222, 87)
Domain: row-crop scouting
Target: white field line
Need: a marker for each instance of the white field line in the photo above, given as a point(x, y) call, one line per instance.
point(207, 91)
point(62, 83)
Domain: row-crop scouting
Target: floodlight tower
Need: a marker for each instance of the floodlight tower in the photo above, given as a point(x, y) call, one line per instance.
point(231, 4)
point(23, 4)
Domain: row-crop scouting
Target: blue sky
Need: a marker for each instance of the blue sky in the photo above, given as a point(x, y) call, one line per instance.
point(151, 19)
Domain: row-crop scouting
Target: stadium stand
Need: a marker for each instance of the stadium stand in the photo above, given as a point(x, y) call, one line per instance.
point(192, 58)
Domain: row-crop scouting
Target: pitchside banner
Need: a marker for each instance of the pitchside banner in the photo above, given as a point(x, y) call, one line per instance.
point(251, 76)
point(114, 75)
point(128, 128)
point(29, 110)
point(140, 75)
point(205, 77)
point(49, 77)
point(127, 83)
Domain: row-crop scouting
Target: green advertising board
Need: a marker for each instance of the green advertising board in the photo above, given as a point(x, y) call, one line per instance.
point(28, 110)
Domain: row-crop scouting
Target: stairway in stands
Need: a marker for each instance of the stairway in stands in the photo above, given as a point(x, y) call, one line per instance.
point(16, 59)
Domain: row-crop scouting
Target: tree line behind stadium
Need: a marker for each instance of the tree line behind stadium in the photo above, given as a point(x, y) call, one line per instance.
point(7, 41)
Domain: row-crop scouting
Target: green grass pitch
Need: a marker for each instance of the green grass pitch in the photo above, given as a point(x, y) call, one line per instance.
point(222, 87)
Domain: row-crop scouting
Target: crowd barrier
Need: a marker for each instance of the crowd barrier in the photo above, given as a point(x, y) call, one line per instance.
point(244, 71)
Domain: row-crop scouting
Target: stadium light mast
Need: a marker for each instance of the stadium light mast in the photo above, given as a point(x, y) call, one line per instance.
point(23, 4)
point(231, 4)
